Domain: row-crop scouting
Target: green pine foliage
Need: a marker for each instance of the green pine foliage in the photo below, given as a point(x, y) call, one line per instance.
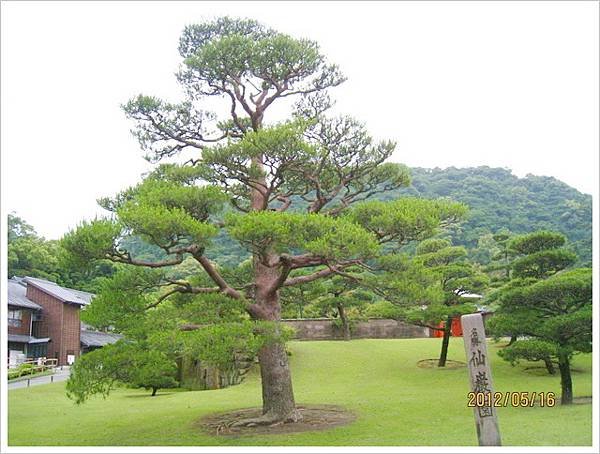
point(545, 305)
point(125, 363)
point(498, 201)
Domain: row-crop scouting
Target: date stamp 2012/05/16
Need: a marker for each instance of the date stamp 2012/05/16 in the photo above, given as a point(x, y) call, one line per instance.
point(511, 399)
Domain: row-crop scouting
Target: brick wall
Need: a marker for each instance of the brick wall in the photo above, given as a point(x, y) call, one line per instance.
point(323, 329)
point(25, 322)
point(61, 322)
point(71, 331)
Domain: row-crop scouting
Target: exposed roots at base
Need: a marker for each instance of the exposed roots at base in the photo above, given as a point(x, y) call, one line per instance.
point(269, 419)
point(251, 420)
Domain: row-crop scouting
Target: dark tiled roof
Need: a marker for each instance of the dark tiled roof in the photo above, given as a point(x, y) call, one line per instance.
point(98, 339)
point(17, 296)
point(66, 295)
point(26, 339)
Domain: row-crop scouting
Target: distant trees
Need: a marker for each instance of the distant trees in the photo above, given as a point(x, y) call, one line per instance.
point(28, 253)
point(297, 301)
point(32, 255)
point(18, 228)
point(547, 306)
point(346, 300)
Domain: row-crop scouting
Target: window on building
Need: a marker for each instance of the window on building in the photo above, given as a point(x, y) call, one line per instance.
point(37, 350)
point(14, 317)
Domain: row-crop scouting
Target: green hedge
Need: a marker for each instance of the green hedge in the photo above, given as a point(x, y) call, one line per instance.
point(23, 369)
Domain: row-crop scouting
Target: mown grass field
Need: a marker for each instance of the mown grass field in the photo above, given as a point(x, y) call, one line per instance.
point(396, 403)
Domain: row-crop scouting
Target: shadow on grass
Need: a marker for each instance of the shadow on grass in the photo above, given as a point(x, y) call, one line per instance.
point(541, 371)
point(432, 363)
point(158, 394)
point(582, 400)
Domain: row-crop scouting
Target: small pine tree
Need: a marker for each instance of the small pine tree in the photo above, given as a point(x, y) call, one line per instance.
point(127, 363)
point(429, 288)
point(547, 305)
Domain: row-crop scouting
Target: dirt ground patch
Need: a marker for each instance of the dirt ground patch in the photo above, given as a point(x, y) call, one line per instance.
point(314, 417)
point(585, 400)
point(432, 363)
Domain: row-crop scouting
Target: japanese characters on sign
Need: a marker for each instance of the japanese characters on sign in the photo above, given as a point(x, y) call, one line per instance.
point(481, 379)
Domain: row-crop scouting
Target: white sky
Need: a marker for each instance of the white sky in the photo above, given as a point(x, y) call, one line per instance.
point(506, 84)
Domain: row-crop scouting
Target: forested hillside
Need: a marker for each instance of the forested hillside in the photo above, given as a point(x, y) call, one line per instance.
point(500, 200)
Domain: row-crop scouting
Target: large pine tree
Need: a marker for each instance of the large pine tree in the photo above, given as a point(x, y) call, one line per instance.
point(256, 171)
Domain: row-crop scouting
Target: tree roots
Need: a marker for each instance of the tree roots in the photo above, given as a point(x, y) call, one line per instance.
point(251, 420)
point(269, 419)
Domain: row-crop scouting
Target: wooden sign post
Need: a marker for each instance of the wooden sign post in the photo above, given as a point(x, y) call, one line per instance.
point(480, 375)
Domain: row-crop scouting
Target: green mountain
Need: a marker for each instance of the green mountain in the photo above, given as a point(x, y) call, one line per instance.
point(498, 199)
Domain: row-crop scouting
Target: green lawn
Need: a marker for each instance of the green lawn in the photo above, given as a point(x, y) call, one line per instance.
point(396, 403)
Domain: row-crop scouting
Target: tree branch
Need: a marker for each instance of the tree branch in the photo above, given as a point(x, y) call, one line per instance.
point(216, 277)
point(286, 203)
point(126, 258)
point(164, 296)
point(306, 260)
point(185, 287)
point(308, 278)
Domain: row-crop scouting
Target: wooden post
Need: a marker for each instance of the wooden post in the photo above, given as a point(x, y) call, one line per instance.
point(486, 419)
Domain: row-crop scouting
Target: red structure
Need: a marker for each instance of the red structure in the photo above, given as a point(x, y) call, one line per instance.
point(455, 329)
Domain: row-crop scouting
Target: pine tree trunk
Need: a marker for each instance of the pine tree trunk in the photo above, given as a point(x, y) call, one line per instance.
point(154, 391)
point(345, 324)
point(277, 392)
point(276, 380)
point(549, 366)
point(566, 383)
point(512, 340)
point(445, 342)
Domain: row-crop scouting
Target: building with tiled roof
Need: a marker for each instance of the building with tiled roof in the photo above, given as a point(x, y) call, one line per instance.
point(43, 321)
